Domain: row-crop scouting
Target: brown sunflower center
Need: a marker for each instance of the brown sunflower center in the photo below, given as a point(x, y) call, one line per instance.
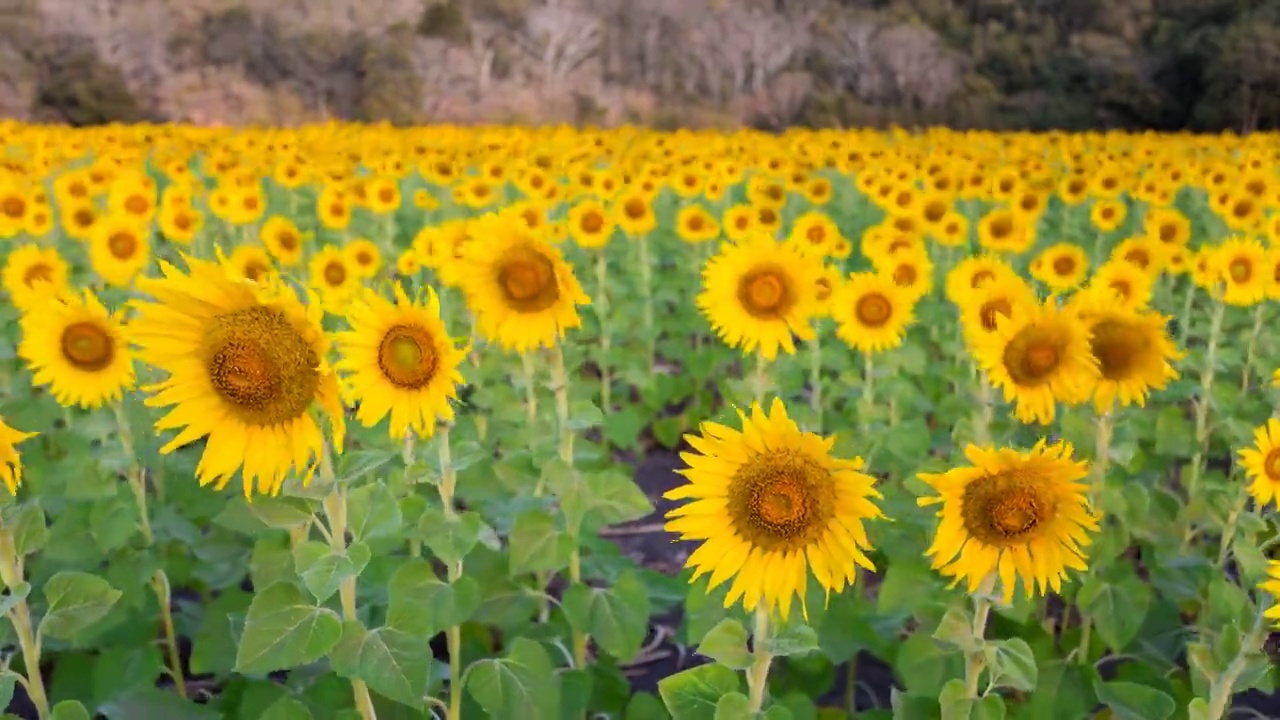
point(1005, 508)
point(823, 288)
point(1138, 257)
point(1118, 346)
point(261, 365)
point(255, 269)
point(781, 500)
point(87, 346)
point(634, 208)
point(816, 234)
point(386, 195)
point(765, 293)
point(137, 205)
point(992, 310)
point(83, 217)
point(934, 211)
point(1240, 270)
point(364, 258)
point(528, 280)
point(1032, 355)
point(1107, 213)
point(873, 310)
point(1001, 227)
point(1167, 232)
point(335, 274)
point(182, 222)
point(980, 278)
point(1271, 465)
point(37, 273)
point(905, 275)
point(1122, 288)
point(13, 207)
point(287, 240)
point(123, 245)
point(407, 356)
point(592, 222)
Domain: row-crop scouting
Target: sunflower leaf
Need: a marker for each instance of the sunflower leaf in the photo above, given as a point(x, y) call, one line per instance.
point(733, 706)
point(693, 694)
point(393, 663)
point(1012, 664)
point(538, 543)
point(522, 685)
point(616, 617)
point(792, 639)
point(1117, 606)
point(286, 708)
point(956, 629)
point(450, 537)
point(282, 630)
point(76, 601)
point(323, 571)
point(726, 643)
point(1132, 701)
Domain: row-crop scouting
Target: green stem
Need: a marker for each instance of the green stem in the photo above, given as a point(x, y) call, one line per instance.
point(159, 580)
point(1184, 327)
point(758, 674)
point(646, 290)
point(1222, 687)
point(976, 661)
point(601, 303)
point(453, 634)
point(335, 510)
point(760, 379)
point(1103, 430)
point(20, 617)
point(530, 388)
point(1233, 520)
point(1203, 403)
point(1258, 315)
point(560, 383)
point(815, 378)
point(986, 412)
point(407, 452)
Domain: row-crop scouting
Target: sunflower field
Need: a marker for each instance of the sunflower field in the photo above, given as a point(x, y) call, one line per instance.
point(351, 422)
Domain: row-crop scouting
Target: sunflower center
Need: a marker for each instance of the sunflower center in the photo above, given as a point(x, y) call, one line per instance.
point(287, 240)
point(407, 357)
point(873, 310)
point(764, 293)
point(1005, 508)
point(137, 205)
point(37, 273)
point(1117, 346)
point(1168, 233)
point(335, 274)
point(981, 277)
point(634, 209)
point(816, 235)
point(364, 258)
point(1138, 257)
point(13, 207)
point(1240, 270)
point(123, 245)
point(261, 365)
point(1064, 265)
point(528, 280)
point(905, 275)
point(1032, 356)
point(991, 311)
point(182, 222)
point(781, 501)
point(823, 289)
point(592, 222)
point(83, 217)
point(1271, 465)
point(87, 346)
point(255, 269)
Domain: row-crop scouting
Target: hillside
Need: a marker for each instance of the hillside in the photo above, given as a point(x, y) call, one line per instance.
point(1163, 64)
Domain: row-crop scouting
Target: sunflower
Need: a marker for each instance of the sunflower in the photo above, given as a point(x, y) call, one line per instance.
point(399, 359)
point(523, 293)
point(282, 239)
point(952, 230)
point(769, 504)
point(1262, 463)
point(1168, 227)
point(32, 274)
point(408, 263)
point(1012, 515)
point(972, 273)
point(739, 222)
point(332, 274)
point(1272, 271)
point(251, 262)
point(245, 362)
point(1107, 215)
point(180, 223)
point(982, 311)
point(590, 225)
point(1271, 586)
point(10, 458)
point(910, 270)
point(1132, 347)
point(1062, 266)
point(695, 225)
point(633, 212)
point(814, 233)
point(119, 249)
point(1141, 252)
point(872, 312)
point(78, 349)
point(759, 292)
point(1040, 355)
point(1243, 269)
point(1132, 286)
point(364, 257)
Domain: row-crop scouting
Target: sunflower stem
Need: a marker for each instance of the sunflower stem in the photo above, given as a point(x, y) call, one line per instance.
point(760, 380)
point(1203, 403)
point(1104, 426)
point(1184, 326)
point(530, 388)
point(560, 381)
point(758, 674)
point(20, 617)
point(407, 451)
point(815, 378)
point(1233, 520)
point(335, 510)
point(976, 661)
point(1259, 313)
point(601, 303)
point(1222, 687)
point(453, 634)
point(986, 412)
point(159, 581)
point(646, 290)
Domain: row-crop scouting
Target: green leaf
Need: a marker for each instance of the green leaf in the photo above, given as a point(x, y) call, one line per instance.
point(1118, 606)
point(16, 594)
point(1173, 432)
point(954, 701)
point(616, 617)
point(622, 427)
point(575, 693)
point(727, 645)
point(323, 571)
point(76, 601)
point(645, 706)
point(286, 708)
point(8, 679)
point(584, 415)
point(1131, 701)
point(355, 464)
point(282, 631)
point(124, 670)
point(615, 498)
point(69, 710)
point(392, 663)
point(372, 512)
point(450, 537)
point(508, 687)
point(990, 707)
point(153, 702)
point(281, 513)
point(1012, 664)
point(694, 693)
point(420, 604)
point(793, 639)
point(537, 544)
point(27, 523)
point(213, 650)
point(956, 629)
point(734, 706)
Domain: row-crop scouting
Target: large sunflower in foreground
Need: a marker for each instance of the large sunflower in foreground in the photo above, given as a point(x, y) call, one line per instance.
point(1262, 463)
point(1040, 355)
point(1014, 514)
point(399, 359)
point(245, 363)
point(73, 345)
point(872, 312)
point(523, 293)
point(759, 292)
point(769, 503)
point(33, 274)
point(10, 458)
point(1133, 349)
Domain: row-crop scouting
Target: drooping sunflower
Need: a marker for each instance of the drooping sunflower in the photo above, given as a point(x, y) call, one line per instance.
point(1013, 515)
point(77, 349)
point(872, 312)
point(1039, 356)
point(770, 504)
point(10, 458)
point(758, 292)
point(523, 293)
point(972, 273)
point(246, 364)
point(119, 249)
point(32, 274)
point(1132, 347)
point(1242, 264)
point(1262, 463)
point(984, 309)
point(399, 360)
point(251, 262)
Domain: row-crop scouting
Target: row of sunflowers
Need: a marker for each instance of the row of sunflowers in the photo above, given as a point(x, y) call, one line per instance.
point(441, 361)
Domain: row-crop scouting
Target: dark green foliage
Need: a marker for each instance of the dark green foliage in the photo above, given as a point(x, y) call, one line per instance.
point(75, 86)
point(389, 86)
point(444, 19)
